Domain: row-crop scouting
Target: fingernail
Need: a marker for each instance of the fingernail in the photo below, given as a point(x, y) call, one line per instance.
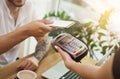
point(56, 47)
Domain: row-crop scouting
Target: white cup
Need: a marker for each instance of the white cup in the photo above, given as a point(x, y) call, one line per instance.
point(26, 74)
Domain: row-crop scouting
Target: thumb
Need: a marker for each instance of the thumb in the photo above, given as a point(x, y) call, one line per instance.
point(63, 54)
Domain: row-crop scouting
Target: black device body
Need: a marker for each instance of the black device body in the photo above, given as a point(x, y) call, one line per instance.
point(74, 47)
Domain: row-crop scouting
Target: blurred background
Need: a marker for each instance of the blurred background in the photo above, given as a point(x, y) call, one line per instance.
point(81, 10)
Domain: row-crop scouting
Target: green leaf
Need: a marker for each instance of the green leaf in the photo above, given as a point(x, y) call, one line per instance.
point(66, 17)
point(104, 49)
point(89, 41)
point(58, 14)
point(104, 18)
point(103, 52)
point(93, 45)
point(87, 24)
point(45, 17)
point(100, 34)
point(50, 14)
point(116, 47)
point(62, 15)
point(110, 46)
point(119, 43)
point(103, 27)
point(55, 33)
point(100, 44)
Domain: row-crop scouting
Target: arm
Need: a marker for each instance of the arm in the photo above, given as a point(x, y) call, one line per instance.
point(11, 39)
point(87, 71)
point(40, 51)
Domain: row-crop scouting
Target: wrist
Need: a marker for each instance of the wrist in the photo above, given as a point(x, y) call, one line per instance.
point(24, 31)
point(36, 57)
point(40, 51)
point(70, 64)
point(27, 30)
point(33, 58)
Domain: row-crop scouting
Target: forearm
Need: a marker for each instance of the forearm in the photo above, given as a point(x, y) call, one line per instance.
point(11, 39)
point(41, 50)
point(85, 71)
point(31, 63)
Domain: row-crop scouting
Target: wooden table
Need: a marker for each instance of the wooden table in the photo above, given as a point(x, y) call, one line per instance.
point(52, 58)
point(9, 71)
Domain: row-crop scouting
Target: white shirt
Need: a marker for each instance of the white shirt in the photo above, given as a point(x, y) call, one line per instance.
point(7, 24)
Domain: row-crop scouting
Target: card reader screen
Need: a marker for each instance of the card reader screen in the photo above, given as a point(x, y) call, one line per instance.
point(64, 40)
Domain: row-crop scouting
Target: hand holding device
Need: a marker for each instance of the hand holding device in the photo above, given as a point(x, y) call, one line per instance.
point(74, 47)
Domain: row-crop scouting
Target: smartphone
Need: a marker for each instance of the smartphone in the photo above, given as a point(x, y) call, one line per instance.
point(73, 46)
point(61, 24)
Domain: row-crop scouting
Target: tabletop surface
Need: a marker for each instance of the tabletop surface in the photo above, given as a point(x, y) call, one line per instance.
point(9, 71)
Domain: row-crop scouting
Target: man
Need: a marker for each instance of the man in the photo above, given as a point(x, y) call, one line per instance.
point(13, 15)
point(109, 70)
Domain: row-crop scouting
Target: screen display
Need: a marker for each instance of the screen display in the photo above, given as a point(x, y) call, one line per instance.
point(64, 40)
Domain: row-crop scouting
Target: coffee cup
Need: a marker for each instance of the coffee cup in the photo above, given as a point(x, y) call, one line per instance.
point(26, 74)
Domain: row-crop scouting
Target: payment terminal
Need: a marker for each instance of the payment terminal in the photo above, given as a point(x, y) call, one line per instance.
point(73, 46)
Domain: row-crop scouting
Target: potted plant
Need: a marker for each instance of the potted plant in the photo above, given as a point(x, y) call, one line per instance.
point(95, 36)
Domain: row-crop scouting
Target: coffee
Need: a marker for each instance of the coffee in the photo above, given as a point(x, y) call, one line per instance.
point(26, 74)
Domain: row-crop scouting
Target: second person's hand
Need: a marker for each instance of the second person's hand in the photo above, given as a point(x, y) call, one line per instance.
point(68, 61)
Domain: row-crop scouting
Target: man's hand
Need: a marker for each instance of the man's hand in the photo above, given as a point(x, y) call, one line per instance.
point(37, 28)
point(28, 64)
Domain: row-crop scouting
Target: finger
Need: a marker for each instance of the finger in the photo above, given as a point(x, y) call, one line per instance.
point(45, 28)
point(21, 66)
point(47, 21)
point(62, 53)
point(41, 38)
point(32, 67)
point(28, 65)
